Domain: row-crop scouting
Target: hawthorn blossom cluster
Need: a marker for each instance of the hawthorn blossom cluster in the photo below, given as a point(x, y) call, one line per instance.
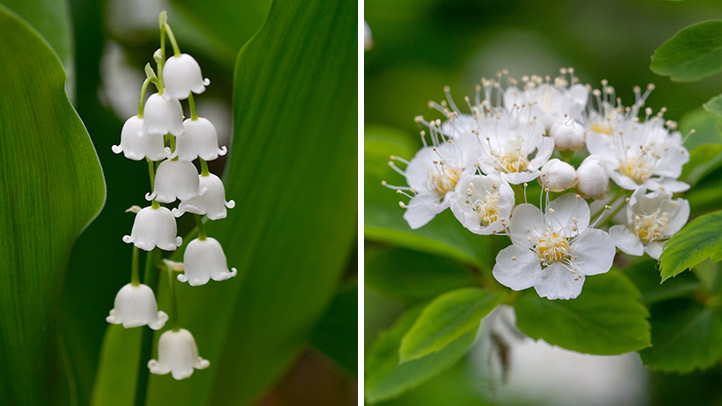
point(170, 144)
point(572, 140)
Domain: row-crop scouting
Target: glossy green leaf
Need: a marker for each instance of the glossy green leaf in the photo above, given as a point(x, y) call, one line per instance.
point(383, 218)
point(692, 54)
point(606, 319)
point(685, 336)
point(445, 319)
point(386, 378)
point(714, 105)
point(336, 335)
point(406, 274)
point(52, 187)
point(645, 276)
point(697, 241)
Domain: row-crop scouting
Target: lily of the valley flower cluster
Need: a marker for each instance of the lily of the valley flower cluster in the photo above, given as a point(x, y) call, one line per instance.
point(170, 144)
point(479, 164)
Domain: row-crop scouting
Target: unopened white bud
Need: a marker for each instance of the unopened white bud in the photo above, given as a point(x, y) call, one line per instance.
point(567, 136)
point(557, 176)
point(592, 178)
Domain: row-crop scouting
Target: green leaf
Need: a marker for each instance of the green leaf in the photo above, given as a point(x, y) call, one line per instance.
point(385, 377)
point(691, 54)
point(401, 273)
point(606, 319)
point(707, 129)
point(383, 218)
point(336, 335)
point(685, 336)
point(114, 385)
point(697, 241)
point(703, 160)
point(645, 276)
point(714, 105)
point(445, 319)
point(52, 188)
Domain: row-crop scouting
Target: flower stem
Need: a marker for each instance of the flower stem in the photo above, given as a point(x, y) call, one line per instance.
point(173, 43)
point(175, 326)
point(201, 228)
point(204, 167)
point(151, 173)
point(150, 279)
point(134, 279)
point(141, 102)
point(192, 104)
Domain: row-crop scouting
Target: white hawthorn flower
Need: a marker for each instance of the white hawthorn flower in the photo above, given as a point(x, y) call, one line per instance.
point(553, 251)
point(592, 178)
point(182, 75)
point(557, 176)
point(482, 204)
point(136, 145)
point(154, 228)
point(177, 354)
point(162, 115)
point(652, 218)
point(203, 260)
point(199, 139)
point(136, 306)
point(212, 203)
point(175, 179)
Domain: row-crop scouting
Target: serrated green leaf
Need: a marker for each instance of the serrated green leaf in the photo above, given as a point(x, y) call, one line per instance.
point(52, 188)
point(606, 319)
point(685, 336)
point(336, 334)
point(383, 218)
point(406, 274)
point(691, 54)
point(714, 105)
point(697, 241)
point(386, 378)
point(445, 319)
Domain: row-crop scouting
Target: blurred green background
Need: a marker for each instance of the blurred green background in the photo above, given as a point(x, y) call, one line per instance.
point(419, 46)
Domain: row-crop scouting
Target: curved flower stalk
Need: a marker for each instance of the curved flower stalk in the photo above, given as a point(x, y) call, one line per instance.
point(553, 251)
point(135, 306)
point(203, 260)
point(177, 354)
point(651, 219)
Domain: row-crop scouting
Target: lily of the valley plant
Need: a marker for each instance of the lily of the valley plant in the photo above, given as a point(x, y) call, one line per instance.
point(159, 135)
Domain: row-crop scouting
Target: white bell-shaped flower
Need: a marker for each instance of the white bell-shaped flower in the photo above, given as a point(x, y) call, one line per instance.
point(567, 136)
point(135, 306)
point(199, 139)
point(162, 115)
point(557, 176)
point(593, 178)
point(175, 180)
point(154, 228)
point(177, 354)
point(204, 260)
point(136, 145)
point(212, 203)
point(182, 75)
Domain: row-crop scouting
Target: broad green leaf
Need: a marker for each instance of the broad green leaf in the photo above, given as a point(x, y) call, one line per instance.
point(714, 105)
point(401, 273)
point(703, 160)
point(691, 54)
point(606, 319)
point(52, 188)
point(383, 218)
point(386, 378)
point(445, 319)
point(685, 336)
point(114, 386)
point(645, 276)
point(336, 334)
point(697, 241)
point(707, 128)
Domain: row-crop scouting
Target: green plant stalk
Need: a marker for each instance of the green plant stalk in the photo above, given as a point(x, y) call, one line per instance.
point(201, 228)
point(192, 104)
point(613, 213)
point(173, 42)
point(204, 167)
point(150, 278)
point(174, 324)
point(141, 102)
point(134, 279)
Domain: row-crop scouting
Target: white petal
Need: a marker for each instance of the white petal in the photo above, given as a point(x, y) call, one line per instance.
point(556, 282)
point(423, 208)
point(162, 115)
point(204, 260)
point(564, 211)
point(516, 267)
point(526, 222)
point(199, 139)
point(679, 217)
point(212, 202)
point(154, 228)
point(181, 75)
point(668, 184)
point(626, 240)
point(654, 249)
point(175, 180)
point(593, 252)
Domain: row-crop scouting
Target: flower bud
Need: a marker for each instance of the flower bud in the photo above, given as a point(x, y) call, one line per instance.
point(135, 306)
point(175, 179)
point(557, 176)
point(199, 139)
point(177, 354)
point(567, 136)
point(137, 146)
point(154, 227)
point(212, 202)
point(182, 75)
point(592, 178)
point(162, 115)
point(204, 260)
